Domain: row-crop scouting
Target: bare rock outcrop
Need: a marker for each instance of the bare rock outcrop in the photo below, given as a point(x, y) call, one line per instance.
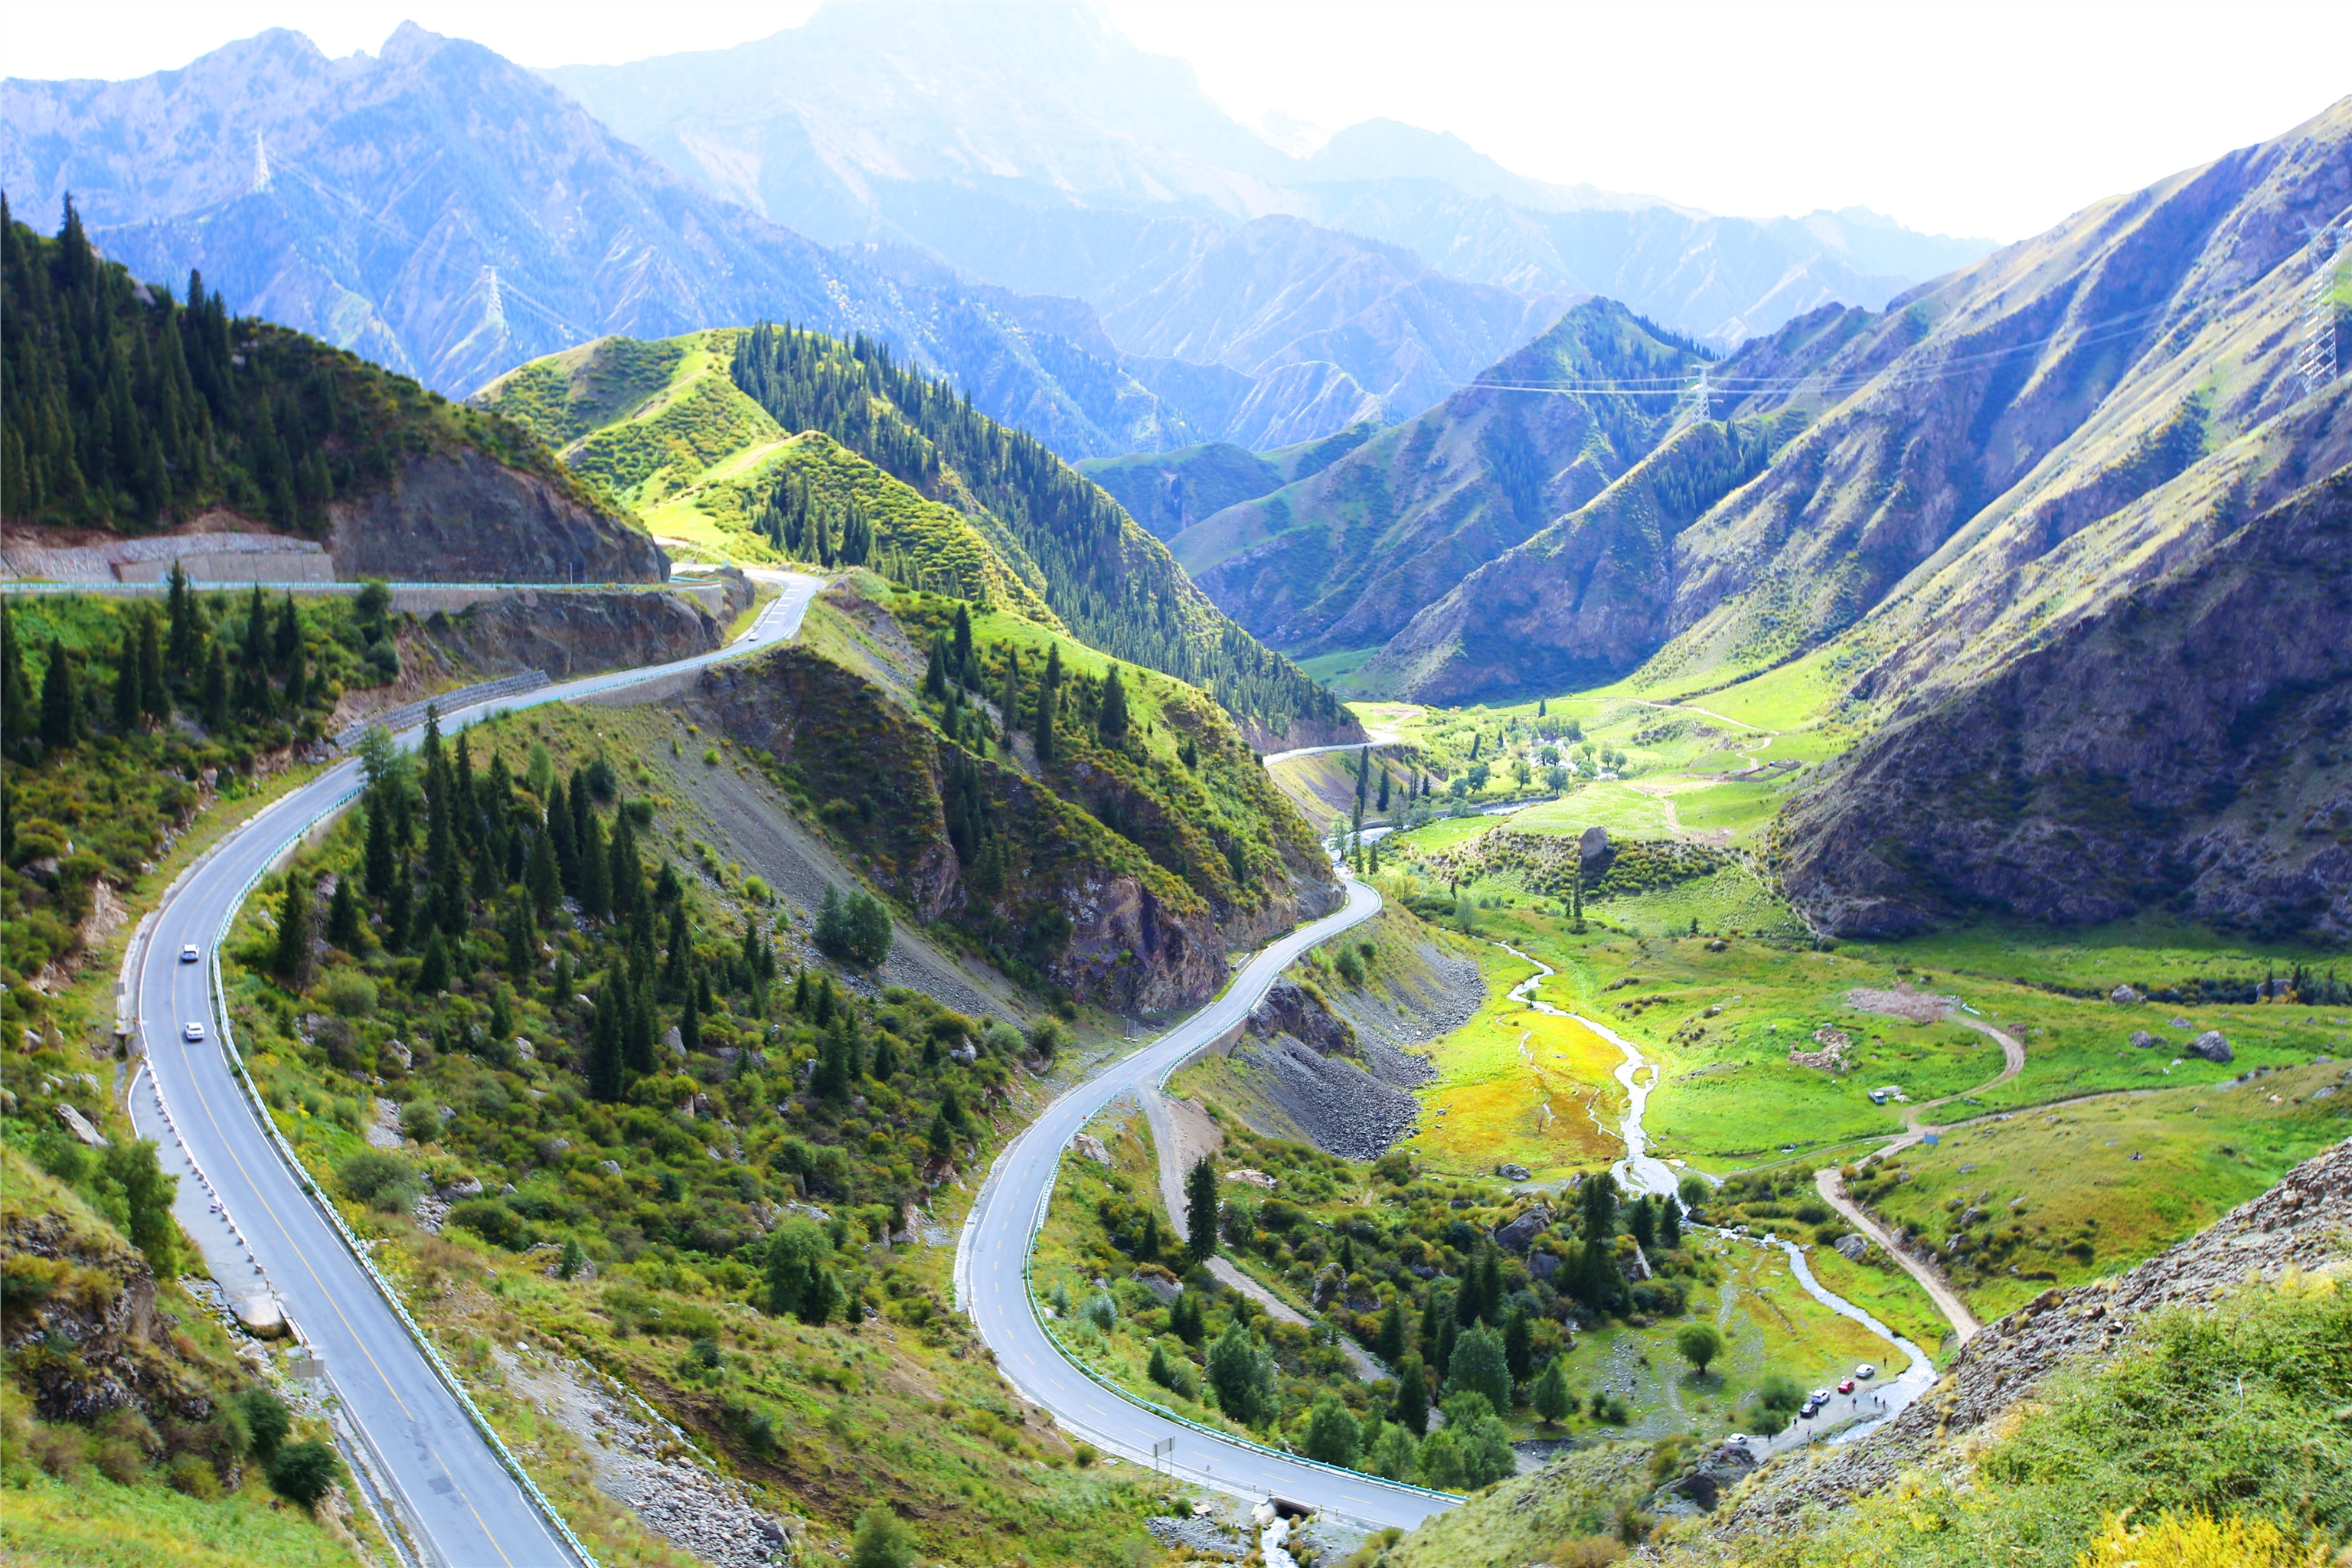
point(2177, 748)
point(1058, 890)
point(460, 516)
point(575, 634)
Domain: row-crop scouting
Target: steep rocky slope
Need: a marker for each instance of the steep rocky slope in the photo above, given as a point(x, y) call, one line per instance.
point(1093, 872)
point(1346, 559)
point(2184, 745)
point(2296, 1227)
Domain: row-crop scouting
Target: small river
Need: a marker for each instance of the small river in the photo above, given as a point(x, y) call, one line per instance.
point(1642, 1172)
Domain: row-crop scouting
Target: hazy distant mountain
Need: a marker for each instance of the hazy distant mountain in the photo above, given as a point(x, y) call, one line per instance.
point(1030, 147)
point(448, 214)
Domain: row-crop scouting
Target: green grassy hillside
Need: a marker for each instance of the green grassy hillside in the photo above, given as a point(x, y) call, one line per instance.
point(773, 444)
point(1343, 559)
point(1168, 493)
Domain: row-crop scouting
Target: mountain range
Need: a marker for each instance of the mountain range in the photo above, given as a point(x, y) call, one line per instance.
point(1034, 147)
point(1976, 516)
point(1013, 196)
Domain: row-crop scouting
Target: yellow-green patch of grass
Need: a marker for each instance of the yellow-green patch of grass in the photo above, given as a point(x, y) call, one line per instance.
point(1769, 1324)
point(1879, 1286)
point(1323, 787)
point(1519, 1086)
point(1614, 805)
point(1739, 806)
point(2104, 1182)
point(1438, 835)
point(1729, 901)
point(96, 1524)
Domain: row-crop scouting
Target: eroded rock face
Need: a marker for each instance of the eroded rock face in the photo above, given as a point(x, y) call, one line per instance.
point(100, 1336)
point(575, 634)
point(462, 516)
point(1288, 1009)
point(2120, 763)
point(1082, 904)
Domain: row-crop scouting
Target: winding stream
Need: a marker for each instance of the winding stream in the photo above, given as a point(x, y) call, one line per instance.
point(1641, 1171)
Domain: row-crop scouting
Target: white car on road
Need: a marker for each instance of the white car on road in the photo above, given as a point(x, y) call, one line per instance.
point(188, 954)
point(192, 1031)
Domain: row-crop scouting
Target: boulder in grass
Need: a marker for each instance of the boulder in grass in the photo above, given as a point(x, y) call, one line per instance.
point(1853, 1247)
point(1517, 1235)
point(2145, 1041)
point(2124, 996)
point(2213, 1046)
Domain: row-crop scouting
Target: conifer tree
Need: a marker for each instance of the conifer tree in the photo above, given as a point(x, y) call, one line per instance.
point(961, 663)
point(1553, 1402)
point(1048, 695)
point(1110, 719)
point(16, 710)
point(1009, 701)
point(605, 1042)
point(155, 691)
point(60, 704)
point(1202, 1210)
point(343, 917)
point(1411, 1408)
point(291, 959)
point(187, 641)
point(433, 973)
point(1518, 1345)
point(126, 683)
point(213, 699)
point(595, 868)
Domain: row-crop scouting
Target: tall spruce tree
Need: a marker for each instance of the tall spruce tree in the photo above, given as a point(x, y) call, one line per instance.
point(1202, 1210)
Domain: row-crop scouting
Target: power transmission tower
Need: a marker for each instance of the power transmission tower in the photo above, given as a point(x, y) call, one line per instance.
point(2316, 360)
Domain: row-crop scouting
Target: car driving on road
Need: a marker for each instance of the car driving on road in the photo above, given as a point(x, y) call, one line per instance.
point(192, 1031)
point(188, 953)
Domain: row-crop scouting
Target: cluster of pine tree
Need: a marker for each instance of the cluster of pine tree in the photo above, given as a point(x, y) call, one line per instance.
point(247, 671)
point(1117, 588)
point(809, 530)
point(497, 868)
point(126, 408)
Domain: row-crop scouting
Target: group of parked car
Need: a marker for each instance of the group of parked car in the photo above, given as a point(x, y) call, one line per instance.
point(1816, 1401)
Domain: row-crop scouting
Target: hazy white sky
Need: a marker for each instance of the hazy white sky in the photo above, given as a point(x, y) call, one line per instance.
point(1992, 118)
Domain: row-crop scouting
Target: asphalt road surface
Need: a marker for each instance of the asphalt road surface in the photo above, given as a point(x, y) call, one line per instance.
point(991, 1283)
point(473, 1512)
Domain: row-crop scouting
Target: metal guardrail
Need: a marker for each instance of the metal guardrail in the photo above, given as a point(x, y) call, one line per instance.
point(412, 713)
point(326, 1207)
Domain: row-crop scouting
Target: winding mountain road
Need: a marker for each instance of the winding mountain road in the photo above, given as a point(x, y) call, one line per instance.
point(991, 1275)
point(450, 1485)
